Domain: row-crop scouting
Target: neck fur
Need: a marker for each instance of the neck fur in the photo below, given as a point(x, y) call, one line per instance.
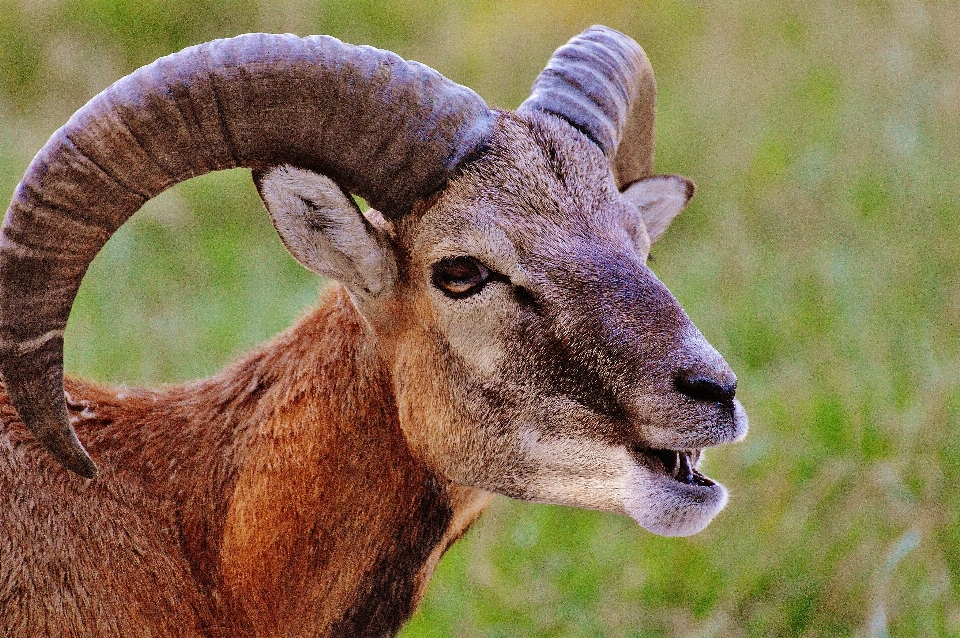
point(300, 507)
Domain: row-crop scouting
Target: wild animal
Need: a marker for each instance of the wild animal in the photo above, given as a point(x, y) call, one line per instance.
point(494, 328)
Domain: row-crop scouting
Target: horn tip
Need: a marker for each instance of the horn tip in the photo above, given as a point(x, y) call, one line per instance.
point(73, 457)
point(83, 466)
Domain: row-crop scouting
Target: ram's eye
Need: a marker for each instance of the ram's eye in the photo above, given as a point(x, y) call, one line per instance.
point(460, 277)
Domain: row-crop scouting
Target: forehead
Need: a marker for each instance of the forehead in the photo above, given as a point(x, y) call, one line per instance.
point(541, 189)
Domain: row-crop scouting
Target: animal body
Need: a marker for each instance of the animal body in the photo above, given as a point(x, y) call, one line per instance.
point(494, 329)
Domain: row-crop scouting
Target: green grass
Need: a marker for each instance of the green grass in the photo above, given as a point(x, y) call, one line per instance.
point(821, 256)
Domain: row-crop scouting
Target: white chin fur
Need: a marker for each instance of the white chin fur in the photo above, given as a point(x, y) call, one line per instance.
point(670, 508)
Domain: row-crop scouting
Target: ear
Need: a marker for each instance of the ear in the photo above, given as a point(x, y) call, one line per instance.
point(659, 199)
point(325, 231)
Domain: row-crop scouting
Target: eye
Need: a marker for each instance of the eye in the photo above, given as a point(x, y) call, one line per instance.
point(460, 277)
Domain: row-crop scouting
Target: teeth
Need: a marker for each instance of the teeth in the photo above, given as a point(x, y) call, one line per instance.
point(684, 472)
point(679, 465)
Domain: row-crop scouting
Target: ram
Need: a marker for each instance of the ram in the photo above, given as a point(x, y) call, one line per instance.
point(494, 329)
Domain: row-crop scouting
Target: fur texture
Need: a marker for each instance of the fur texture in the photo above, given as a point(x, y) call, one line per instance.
point(277, 498)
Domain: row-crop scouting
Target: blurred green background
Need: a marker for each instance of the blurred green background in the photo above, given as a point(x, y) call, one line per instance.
point(821, 256)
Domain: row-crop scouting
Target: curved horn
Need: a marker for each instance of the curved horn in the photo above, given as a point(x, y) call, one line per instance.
point(388, 130)
point(602, 83)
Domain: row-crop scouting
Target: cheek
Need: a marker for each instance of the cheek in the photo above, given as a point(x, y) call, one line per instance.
point(431, 414)
point(476, 332)
point(459, 430)
point(426, 413)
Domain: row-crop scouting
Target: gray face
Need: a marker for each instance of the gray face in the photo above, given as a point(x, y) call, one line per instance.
point(572, 374)
point(534, 352)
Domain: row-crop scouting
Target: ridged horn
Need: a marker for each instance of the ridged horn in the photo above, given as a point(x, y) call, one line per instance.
point(601, 82)
point(386, 129)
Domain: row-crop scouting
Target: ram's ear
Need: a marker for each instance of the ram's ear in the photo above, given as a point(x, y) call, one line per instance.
point(325, 231)
point(659, 199)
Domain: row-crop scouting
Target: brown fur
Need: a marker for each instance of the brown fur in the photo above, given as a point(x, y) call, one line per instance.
point(277, 498)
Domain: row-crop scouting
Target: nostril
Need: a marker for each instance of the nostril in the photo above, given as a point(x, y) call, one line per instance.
point(702, 388)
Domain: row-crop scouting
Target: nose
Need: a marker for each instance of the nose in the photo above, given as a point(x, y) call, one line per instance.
point(704, 387)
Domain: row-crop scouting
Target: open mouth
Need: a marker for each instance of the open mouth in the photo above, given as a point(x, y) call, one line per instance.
point(680, 465)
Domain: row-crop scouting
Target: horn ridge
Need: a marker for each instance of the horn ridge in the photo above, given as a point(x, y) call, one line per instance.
point(601, 83)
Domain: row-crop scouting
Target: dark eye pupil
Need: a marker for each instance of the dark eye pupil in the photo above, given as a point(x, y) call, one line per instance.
point(459, 277)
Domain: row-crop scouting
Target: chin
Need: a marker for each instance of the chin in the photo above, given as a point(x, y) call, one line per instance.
point(666, 506)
